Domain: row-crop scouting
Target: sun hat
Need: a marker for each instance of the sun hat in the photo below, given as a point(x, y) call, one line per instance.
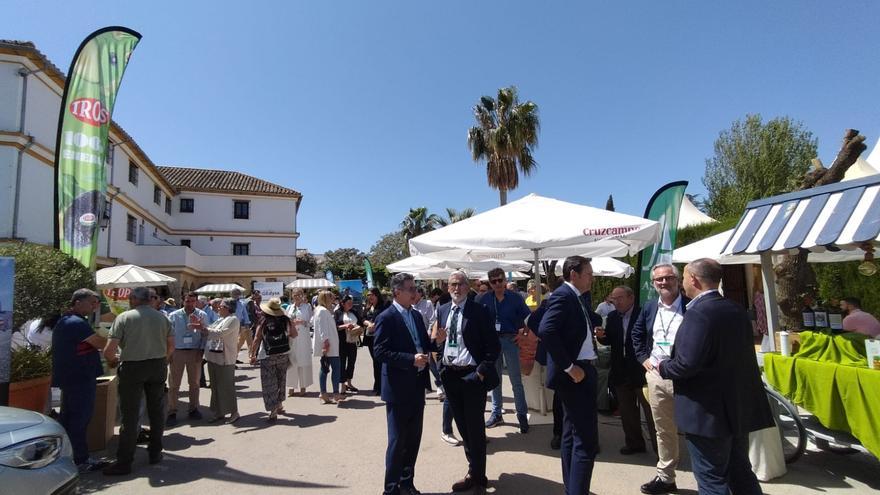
point(273, 307)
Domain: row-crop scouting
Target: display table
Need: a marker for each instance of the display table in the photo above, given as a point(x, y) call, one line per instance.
point(843, 395)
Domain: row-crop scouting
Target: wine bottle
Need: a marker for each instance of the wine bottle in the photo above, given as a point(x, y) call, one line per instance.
point(808, 316)
point(821, 318)
point(835, 316)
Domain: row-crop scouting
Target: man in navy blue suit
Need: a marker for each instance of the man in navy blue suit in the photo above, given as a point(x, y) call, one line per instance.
point(567, 332)
point(719, 397)
point(401, 344)
point(467, 368)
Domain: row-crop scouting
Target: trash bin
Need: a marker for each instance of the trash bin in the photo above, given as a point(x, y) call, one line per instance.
point(104, 420)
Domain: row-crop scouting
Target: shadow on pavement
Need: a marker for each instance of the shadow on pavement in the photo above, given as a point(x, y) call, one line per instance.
point(357, 404)
point(177, 470)
point(818, 471)
point(258, 421)
point(523, 483)
point(176, 442)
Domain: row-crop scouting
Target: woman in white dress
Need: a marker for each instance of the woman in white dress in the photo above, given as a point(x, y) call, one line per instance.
point(299, 374)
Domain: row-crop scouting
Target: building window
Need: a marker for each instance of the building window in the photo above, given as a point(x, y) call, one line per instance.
point(187, 205)
point(167, 204)
point(157, 195)
point(241, 249)
point(241, 209)
point(132, 173)
point(131, 229)
point(185, 242)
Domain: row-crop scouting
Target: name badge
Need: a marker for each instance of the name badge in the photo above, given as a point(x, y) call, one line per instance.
point(497, 327)
point(665, 347)
point(187, 340)
point(451, 351)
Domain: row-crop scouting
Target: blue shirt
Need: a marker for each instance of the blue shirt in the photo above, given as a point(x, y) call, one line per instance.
point(74, 361)
point(186, 338)
point(510, 312)
point(241, 312)
point(211, 316)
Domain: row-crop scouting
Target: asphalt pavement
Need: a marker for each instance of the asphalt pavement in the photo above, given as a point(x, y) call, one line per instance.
point(329, 449)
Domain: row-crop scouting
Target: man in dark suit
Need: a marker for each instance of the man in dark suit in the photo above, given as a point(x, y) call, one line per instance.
point(719, 397)
point(567, 332)
point(467, 369)
point(627, 374)
point(652, 338)
point(401, 344)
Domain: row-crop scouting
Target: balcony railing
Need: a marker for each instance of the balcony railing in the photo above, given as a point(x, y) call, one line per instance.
point(168, 256)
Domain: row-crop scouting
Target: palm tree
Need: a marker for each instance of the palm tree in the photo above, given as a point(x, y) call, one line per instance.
point(417, 222)
point(505, 136)
point(453, 216)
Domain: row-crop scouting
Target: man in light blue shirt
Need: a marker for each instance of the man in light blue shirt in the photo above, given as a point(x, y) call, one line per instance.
point(244, 330)
point(186, 325)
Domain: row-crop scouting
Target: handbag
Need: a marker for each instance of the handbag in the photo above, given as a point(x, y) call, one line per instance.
point(352, 335)
point(216, 345)
point(528, 346)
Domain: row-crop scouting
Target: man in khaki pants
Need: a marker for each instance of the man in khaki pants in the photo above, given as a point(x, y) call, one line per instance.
point(652, 336)
point(186, 325)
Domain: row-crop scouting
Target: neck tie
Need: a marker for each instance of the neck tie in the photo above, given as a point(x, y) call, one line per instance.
point(411, 326)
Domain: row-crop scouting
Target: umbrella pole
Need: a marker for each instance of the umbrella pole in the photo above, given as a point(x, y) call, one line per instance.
point(542, 400)
point(772, 309)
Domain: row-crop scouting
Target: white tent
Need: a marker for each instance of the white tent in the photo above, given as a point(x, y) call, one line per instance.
point(689, 215)
point(536, 227)
point(116, 277)
point(425, 263)
point(310, 283)
point(218, 288)
point(859, 169)
point(603, 266)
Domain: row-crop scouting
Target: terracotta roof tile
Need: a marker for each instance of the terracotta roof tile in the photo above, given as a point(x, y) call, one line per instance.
point(200, 179)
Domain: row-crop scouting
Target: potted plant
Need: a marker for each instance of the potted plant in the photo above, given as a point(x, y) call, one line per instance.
point(30, 378)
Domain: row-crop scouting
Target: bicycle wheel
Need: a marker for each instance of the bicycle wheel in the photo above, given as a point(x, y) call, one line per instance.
point(791, 428)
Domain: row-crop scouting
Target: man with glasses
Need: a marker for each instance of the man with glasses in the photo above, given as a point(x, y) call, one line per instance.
point(652, 338)
point(508, 312)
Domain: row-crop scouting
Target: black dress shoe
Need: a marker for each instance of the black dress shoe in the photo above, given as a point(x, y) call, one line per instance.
point(117, 469)
point(143, 436)
point(194, 414)
point(467, 483)
point(156, 459)
point(409, 490)
point(627, 450)
point(658, 487)
point(555, 442)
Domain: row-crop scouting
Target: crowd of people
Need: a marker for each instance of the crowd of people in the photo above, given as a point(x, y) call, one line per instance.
point(685, 362)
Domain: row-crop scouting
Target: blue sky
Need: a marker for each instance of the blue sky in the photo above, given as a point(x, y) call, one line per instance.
point(364, 106)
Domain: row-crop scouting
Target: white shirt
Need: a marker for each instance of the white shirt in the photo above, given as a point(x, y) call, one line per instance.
point(666, 323)
point(425, 308)
point(604, 308)
point(588, 351)
point(464, 357)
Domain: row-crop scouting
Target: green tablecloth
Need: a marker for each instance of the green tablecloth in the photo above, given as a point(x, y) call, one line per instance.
point(843, 398)
point(846, 348)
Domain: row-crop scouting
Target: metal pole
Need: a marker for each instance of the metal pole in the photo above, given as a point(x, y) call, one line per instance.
point(542, 401)
point(769, 277)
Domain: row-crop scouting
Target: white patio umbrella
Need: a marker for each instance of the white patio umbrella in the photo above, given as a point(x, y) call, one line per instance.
point(218, 288)
point(427, 263)
point(603, 266)
point(310, 283)
point(117, 277)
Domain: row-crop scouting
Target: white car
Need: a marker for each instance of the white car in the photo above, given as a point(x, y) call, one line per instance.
point(35, 455)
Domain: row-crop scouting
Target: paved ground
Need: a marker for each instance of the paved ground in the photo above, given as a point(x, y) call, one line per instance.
point(340, 450)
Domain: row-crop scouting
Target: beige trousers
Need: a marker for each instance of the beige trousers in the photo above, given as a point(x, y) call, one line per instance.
point(191, 359)
point(663, 409)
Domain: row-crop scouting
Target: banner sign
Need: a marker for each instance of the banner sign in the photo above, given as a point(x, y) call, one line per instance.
point(81, 145)
point(270, 289)
point(7, 286)
point(353, 288)
point(663, 207)
point(368, 267)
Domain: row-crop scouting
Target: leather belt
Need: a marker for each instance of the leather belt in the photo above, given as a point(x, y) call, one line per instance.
point(460, 368)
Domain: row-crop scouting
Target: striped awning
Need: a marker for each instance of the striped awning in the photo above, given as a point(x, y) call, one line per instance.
point(833, 217)
point(310, 283)
point(218, 288)
point(120, 276)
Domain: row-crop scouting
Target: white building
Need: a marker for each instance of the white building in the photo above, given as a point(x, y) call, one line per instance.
point(195, 225)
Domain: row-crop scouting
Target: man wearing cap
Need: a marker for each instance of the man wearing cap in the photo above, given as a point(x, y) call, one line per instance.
point(186, 324)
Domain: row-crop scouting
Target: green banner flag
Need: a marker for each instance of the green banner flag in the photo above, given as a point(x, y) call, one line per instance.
point(663, 207)
point(81, 145)
point(368, 267)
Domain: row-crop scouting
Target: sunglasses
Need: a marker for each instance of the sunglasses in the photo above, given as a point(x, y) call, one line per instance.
point(496, 280)
point(667, 278)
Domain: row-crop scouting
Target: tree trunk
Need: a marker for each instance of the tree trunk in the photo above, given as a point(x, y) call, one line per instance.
point(502, 196)
point(795, 278)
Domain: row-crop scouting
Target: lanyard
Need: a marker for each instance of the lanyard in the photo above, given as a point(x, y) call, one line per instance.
point(497, 316)
point(662, 323)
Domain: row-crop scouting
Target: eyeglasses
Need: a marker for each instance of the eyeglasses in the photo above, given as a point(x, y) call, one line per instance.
point(496, 280)
point(667, 278)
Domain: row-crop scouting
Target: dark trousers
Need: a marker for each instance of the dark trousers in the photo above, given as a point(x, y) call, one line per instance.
point(580, 431)
point(141, 379)
point(348, 354)
point(404, 438)
point(467, 399)
point(721, 465)
point(77, 407)
point(446, 425)
point(629, 399)
point(377, 367)
point(557, 415)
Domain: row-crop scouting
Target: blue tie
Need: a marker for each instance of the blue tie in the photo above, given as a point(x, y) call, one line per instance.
point(411, 326)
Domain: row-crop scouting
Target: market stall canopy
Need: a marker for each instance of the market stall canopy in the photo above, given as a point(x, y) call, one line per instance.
point(218, 288)
point(712, 246)
point(843, 215)
point(310, 283)
point(538, 227)
point(425, 263)
point(859, 169)
point(117, 277)
point(689, 215)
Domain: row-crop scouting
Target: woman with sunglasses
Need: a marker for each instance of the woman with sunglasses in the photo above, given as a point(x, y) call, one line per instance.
point(221, 349)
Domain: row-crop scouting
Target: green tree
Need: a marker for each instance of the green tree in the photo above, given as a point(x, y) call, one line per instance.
point(417, 222)
point(389, 248)
point(754, 160)
point(345, 263)
point(452, 216)
point(505, 136)
point(306, 263)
